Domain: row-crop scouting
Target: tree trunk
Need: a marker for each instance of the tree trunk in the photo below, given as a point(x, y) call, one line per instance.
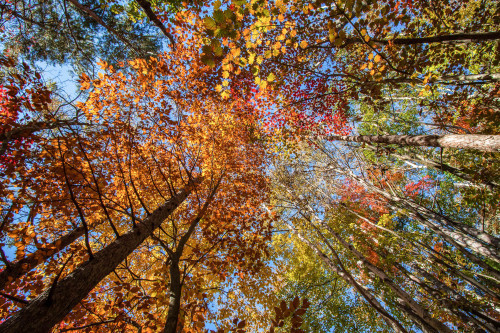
point(446, 39)
point(175, 292)
point(446, 168)
point(174, 304)
point(17, 269)
point(490, 143)
point(56, 302)
point(460, 235)
point(423, 316)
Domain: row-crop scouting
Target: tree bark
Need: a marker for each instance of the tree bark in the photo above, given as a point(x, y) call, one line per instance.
point(446, 39)
point(19, 268)
point(55, 303)
point(489, 143)
point(152, 16)
point(175, 291)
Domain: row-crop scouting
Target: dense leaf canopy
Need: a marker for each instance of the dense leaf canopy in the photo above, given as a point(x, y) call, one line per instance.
point(250, 166)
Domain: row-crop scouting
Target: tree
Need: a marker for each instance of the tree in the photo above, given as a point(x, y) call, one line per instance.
point(148, 138)
point(307, 192)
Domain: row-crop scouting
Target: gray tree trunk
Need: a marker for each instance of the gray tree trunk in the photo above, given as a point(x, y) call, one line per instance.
point(490, 143)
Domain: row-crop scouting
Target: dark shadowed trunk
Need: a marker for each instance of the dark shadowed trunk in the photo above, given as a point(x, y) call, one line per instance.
point(56, 302)
point(175, 294)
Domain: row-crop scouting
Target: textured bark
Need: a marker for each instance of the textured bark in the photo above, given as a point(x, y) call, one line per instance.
point(19, 268)
point(54, 304)
point(446, 39)
point(175, 291)
point(175, 274)
point(489, 143)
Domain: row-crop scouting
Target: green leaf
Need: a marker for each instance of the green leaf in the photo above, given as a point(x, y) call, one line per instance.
point(219, 16)
point(209, 23)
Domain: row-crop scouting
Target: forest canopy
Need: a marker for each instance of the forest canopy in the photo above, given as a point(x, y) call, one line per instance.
point(249, 166)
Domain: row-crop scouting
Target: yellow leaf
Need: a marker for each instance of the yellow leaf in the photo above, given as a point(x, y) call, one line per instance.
point(303, 44)
point(251, 58)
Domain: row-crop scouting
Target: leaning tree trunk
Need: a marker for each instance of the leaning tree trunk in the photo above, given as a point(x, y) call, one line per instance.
point(481, 142)
point(17, 269)
point(462, 38)
point(460, 235)
point(55, 303)
point(425, 318)
point(447, 168)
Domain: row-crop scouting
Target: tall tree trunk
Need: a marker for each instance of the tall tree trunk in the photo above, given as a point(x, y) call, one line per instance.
point(175, 291)
point(447, 39)
point(481, 142)
point(422, 315)
point(55, 303)
point(462, 236)
point(19, 268)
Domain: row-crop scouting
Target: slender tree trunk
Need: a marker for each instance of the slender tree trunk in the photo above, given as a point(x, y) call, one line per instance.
point(490, 143)
point(424, 317)
point(460, 235)
point(54, 304)
point(19, 268)
point(446, 168)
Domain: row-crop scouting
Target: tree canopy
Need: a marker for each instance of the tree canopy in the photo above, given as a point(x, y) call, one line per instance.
point(261, 166)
